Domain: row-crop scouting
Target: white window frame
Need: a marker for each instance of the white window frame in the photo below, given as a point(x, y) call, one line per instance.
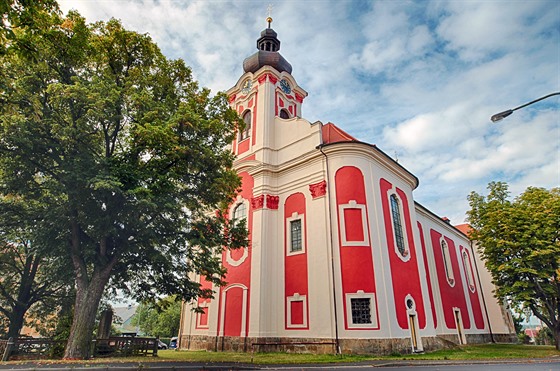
point(352, 204)
point(247, 130)
point(295, 216)
point(465, 257)
point(406, 256)
point(360, 294)
point(291, 299)
point(229, 258)
point(198, 316)
point(447, 262)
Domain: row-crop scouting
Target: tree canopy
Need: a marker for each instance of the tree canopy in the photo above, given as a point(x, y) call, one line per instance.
point(520, 243)
point(20, 15)
point(30, 278)
point(161, 320)
point(128, 154)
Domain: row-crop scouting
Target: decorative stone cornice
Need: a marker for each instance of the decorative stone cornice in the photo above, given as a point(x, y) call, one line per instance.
point(257, 202)
point(318, 189)
point(272, 202)
point(262, 79)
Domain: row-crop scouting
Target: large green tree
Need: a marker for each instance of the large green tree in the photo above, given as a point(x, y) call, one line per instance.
point(129, 154)
point(520, 243)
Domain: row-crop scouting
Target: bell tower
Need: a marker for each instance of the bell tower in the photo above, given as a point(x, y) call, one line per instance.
point(265, 93)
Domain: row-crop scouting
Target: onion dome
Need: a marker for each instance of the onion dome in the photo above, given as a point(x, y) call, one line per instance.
point(268, 55)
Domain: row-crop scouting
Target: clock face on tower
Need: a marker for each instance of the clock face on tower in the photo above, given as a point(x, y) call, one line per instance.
point(247, 85)
point(285, 86)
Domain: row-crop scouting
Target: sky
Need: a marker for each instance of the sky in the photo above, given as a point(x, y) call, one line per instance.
point(420, 79)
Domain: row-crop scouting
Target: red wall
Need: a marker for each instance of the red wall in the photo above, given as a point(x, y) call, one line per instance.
point(245, 144)
point(405, 275)
point(473, 295)
point(295, 273)
point(233, 312)
point(451, 296)
point(428, 275)
point(202, 318)
point(240, 274)
point(356, 262)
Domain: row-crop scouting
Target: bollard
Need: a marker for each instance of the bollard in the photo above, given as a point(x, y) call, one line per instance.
point(8, 350)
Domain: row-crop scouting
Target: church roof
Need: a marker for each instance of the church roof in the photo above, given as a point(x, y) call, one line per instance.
point(333, 134)
point(268, 54)
point(465, 228)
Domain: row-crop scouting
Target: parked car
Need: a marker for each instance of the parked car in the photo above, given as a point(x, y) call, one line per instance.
point(173, 343)
point(161, 345)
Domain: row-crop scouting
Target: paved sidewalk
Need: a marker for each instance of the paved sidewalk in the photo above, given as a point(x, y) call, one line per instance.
point(179, 366)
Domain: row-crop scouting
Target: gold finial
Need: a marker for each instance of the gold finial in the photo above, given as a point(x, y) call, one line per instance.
point(269, 13)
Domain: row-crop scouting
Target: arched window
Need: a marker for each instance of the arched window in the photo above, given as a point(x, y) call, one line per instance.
point(468, 271)
point(247, 131)
point(447, 263)
point(284, 114)
point(397, 225)
point(240, 212)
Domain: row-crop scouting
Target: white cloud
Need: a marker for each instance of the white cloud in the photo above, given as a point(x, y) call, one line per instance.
point(390, 39)
point(478, 29)
point(417, 78)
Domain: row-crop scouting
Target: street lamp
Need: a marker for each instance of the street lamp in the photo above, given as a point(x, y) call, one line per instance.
point(504, 114)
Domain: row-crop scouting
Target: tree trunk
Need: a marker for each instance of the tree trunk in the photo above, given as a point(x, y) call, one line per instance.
point(557, 337)
point(85, 311)
point(23, 301)
point(16, 321)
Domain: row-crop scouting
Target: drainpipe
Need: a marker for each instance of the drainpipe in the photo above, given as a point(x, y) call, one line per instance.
point(482, 293)
point(337, 344)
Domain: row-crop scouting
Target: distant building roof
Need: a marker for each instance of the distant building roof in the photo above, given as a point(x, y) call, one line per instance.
point(122, 317)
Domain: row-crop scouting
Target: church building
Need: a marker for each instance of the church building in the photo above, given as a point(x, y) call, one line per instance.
point(341, 258)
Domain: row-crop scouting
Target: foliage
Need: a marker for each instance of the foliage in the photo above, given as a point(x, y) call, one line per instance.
point(523, 338)
point(128, 154)
point(520, 242)
point(32, 281)
point(518, 323)
point(161, 319)
point(20, 15)
point(544, 337)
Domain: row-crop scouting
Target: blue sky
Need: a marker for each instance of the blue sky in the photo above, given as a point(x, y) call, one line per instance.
point(420, 79)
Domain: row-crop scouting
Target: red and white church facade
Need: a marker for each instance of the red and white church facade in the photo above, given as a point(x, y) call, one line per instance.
point(341, 257)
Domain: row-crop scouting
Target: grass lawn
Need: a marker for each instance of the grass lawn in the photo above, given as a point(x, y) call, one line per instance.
point(487, 351)
point(467, 352)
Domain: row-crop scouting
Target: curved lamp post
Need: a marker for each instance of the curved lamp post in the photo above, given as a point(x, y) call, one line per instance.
point(504, 114)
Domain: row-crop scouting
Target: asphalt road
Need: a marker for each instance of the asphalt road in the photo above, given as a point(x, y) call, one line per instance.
point(550, 364)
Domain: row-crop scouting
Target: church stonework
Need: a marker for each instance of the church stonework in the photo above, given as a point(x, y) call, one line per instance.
point(341, 258)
